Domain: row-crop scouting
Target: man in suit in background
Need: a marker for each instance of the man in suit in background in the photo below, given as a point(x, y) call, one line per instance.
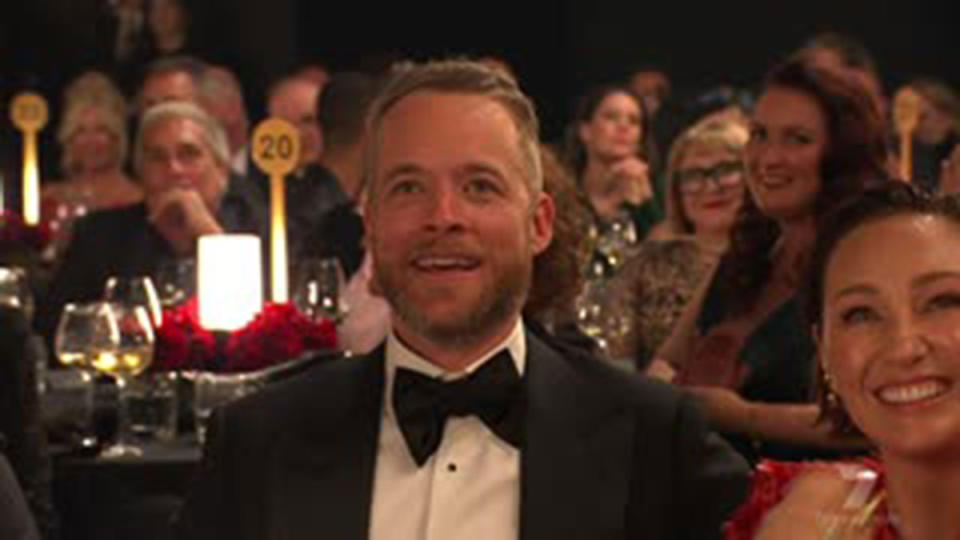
point(462, 425)
point(182, 161)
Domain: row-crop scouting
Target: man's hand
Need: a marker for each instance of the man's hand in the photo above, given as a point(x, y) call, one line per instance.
point(181, 216)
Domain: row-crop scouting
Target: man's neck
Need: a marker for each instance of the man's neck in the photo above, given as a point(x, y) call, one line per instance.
point(459, 353)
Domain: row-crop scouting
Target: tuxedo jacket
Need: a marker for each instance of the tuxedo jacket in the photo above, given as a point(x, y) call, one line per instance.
point(607, 455)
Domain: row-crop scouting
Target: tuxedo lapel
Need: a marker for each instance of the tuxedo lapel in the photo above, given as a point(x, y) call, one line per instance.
point(323, 477)
point(574, 468)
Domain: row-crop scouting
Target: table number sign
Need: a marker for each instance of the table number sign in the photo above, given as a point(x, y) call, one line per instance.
point(29, 114)
point(276, 151)
point(906, 114)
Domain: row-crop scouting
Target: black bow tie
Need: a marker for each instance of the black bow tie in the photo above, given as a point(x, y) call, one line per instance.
point(422, 404)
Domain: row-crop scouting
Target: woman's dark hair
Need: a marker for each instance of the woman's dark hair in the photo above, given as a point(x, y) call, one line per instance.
point(575, 154)
point(856, 152)
point(893, 198)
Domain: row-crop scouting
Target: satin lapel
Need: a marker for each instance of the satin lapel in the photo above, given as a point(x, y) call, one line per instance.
point(323, 474)
point(574, 465)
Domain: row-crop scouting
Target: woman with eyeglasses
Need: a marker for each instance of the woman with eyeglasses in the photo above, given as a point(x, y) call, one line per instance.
point(741, 344)
point(705, 189)
point(888, 367)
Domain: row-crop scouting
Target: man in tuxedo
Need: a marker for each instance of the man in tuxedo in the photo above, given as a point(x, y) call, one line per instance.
point(462, 425)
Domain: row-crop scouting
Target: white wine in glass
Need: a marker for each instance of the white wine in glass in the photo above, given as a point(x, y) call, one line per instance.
point(83, 329)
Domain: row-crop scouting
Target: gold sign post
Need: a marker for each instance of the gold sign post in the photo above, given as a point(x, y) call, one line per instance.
point(906, 114)
point(276, 150)
point(29, 114)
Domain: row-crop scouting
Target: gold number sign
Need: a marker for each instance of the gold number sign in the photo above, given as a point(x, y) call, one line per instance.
point(276, 150)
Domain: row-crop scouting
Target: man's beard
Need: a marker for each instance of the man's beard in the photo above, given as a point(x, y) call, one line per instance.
point(484, 318)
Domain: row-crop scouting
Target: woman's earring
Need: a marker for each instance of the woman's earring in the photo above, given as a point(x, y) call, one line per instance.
point(831, 396)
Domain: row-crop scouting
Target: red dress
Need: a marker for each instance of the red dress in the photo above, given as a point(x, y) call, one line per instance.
point(772, 482)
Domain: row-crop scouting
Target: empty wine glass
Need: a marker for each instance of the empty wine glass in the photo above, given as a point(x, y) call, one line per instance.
point(15, 290)
point(134, 291)
point(176, 281)
point(83, 331)
point(318, 287)
point(130, 356)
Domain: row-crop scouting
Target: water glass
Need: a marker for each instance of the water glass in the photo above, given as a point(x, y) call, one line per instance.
point(212, 390)
point(152, 406)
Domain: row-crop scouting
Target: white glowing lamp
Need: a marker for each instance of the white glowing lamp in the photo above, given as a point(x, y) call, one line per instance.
point(229, 280)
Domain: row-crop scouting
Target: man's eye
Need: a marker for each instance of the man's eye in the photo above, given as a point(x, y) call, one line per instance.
point(859, 314)
point(757, 133)
point(482, 186)
point(403, 187)
point(944, 301)
point(799, 138)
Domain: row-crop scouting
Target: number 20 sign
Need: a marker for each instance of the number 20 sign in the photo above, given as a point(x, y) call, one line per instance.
point(276, 147)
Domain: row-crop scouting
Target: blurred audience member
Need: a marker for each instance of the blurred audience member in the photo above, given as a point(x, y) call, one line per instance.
point(653, 86)
point(342, 108)
point(741, 345)
point(221, 95)
point(705, 191)
point(316, 73)
point(175, 78)
point(169, 24)
point(294, 99)
point(93, 138)
point(605, 151)
point(182, 161)
point(846, 56)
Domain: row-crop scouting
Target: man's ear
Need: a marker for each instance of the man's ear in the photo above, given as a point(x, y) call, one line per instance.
point(543, 214)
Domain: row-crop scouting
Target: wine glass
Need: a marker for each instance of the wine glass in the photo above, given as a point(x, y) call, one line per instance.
point(318, 287)
point(15, 290)
point(130, 353)
point(134, 291)
point(176, 281)
point(84, 329)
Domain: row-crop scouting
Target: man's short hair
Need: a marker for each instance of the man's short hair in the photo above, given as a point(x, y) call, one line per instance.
point(342, 108)
point(851, 51)
point(217, 82)
point(192, 66)
point(456, 77)
point(211, 131)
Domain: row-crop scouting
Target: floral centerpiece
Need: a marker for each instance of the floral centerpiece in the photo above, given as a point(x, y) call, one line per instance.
point(279, 333)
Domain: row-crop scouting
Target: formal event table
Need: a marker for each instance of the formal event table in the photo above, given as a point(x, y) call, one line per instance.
point(123, 498)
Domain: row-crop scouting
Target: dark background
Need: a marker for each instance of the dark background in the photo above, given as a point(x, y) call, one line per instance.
point(556, 48)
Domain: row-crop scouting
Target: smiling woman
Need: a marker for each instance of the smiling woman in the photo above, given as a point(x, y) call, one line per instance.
point(815, 141)
point(889, 350)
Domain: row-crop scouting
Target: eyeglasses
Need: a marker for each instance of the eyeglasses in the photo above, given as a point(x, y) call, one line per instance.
point(726, 174)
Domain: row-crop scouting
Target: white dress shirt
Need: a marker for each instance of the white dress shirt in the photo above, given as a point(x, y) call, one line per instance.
point(468, 490)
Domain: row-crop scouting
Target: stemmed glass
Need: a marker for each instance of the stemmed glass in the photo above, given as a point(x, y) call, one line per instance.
point(15, 290)
point(318, 287)
point(131, 353)
point(83, 331)
point(134, 291)
point(176, 281)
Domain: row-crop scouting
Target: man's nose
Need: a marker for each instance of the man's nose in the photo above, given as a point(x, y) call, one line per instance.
point(445, 208)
